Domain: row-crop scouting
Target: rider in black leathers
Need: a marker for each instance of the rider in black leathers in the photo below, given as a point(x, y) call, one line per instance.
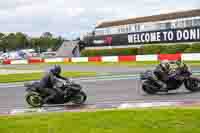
point(166, 70)
point(47, 84)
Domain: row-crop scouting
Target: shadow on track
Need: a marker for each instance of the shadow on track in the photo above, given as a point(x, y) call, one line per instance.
point(170, 93)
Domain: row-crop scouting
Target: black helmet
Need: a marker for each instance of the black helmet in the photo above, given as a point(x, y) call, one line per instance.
point(56, 70)
point(165, 65)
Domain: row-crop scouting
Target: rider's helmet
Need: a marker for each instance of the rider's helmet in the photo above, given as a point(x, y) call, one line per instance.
point(56, 70)
point(165, 65)
point(181, 65)
point(178, 62)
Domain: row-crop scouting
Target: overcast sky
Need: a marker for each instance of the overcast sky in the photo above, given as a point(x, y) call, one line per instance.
point(68, 18)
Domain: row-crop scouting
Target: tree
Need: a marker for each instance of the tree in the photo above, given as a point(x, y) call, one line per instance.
point(35, 43)
point(21, 40)
point(1, 35)
point(1, 42)
point(10, 41)
point(58, 42)
point(47, 35)
point(4, 43)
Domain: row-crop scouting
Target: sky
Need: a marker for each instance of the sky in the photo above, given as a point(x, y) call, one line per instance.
point(69, 18)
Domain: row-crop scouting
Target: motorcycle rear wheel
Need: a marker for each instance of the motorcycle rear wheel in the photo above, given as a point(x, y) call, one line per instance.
point(147, 87)
point(34, 99)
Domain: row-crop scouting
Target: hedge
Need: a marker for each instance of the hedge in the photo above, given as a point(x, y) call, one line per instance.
point(146, 49)
point(110, 52)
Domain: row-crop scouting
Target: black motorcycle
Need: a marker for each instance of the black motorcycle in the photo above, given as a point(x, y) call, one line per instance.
point(150, 82)
point(72, 93)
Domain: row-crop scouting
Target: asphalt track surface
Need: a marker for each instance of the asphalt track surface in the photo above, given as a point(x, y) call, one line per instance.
point(102, 91)
point(85, 68)
point(80, 67)
point(112, 91)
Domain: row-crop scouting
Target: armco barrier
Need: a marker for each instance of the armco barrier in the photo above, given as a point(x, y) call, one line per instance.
point(131, 58)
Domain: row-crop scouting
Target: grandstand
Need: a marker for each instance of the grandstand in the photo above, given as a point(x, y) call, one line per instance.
point(182, 26)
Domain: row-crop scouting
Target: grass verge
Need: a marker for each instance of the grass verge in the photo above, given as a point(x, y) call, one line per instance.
point(171, 120)
point(131, 64)
point(114, 64)
point(35, 76)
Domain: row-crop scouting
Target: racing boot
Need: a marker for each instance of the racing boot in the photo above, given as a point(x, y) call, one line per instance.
point(163, 86)
point(45, 100)
point(48, 98)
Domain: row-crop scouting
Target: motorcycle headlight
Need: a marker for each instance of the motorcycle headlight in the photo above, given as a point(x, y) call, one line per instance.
point(70, 80)
point(27, 84)
point(142, 77)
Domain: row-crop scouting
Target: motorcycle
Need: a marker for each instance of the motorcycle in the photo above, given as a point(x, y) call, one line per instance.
point(72, 93)
point(150, 82)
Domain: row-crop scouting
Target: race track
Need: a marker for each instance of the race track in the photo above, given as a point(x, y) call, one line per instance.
point(79, 67)
point(111, 91)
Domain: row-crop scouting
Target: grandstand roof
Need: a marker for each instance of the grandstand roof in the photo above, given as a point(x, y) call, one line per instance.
point(153, 18)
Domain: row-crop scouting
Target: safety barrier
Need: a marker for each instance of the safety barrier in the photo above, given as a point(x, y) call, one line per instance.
point(169, 57)
point(35, 60)
point(80, 59)
point(130, 58)
point(127, 58)
point(146, 58)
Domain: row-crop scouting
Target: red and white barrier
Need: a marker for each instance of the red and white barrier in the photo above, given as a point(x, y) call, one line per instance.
point(191, 57)
point(52, 60)
point(6, 61)
point(95, 59)
point(110, 59)
point(79, 59)
point(130, 58)
point(169, 56)
point(35, 60)
point(146, 58)
point(19, 62)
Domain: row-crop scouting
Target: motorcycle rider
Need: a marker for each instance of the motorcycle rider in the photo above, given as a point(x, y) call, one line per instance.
point(166, 70)
point(161, 74)
point(48, 84)
point(177, 69)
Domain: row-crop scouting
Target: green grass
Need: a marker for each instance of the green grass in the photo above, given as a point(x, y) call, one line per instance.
point(134, 64)
point(35, 76)
point(173, 120)
point(126, 64)
point(131, 64)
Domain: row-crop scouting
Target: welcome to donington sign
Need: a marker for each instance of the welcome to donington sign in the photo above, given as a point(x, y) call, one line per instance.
point(171, 35)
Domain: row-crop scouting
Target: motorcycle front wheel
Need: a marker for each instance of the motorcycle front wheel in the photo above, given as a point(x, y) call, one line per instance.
point(34, 99)
point(79, 98)
point(192, 85)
